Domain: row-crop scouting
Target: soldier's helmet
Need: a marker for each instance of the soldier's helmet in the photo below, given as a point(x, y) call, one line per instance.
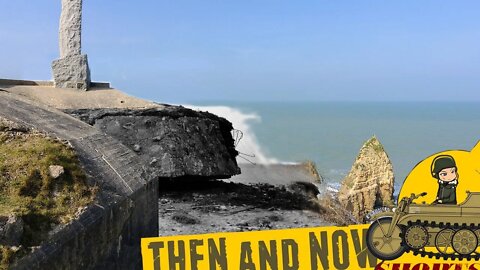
point(441, 162)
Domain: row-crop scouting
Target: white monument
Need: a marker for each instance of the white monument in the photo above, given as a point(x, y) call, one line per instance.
point(71, 70)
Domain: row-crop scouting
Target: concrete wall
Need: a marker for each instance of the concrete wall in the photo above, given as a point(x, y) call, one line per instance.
point(107, 235)
point(10, 82)
point(104, 237)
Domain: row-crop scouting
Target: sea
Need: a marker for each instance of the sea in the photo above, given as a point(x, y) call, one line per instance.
point(332, 133)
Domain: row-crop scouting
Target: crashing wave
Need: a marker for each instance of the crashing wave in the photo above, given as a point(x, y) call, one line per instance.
point(248, 145)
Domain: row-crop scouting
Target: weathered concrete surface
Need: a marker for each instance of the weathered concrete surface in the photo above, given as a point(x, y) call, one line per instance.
point(70, 32)
point(107, 235)
point(71, 71)
point(369, 183)
point(73, 99)
point(276, 174)
point(173, 140)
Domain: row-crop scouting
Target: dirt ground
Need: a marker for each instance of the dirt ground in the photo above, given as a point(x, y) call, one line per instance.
point(217, 206)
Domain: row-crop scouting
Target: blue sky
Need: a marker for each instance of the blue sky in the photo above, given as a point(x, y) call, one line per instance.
point(263, 50)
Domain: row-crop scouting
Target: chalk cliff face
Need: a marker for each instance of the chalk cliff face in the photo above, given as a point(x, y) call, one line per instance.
point(370, 181)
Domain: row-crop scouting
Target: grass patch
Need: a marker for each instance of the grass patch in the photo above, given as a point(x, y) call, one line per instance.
point(27, 189)
point(6, 257)
point(375, 145)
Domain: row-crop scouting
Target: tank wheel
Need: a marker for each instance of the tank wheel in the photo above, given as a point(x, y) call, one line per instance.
point(416, 236)
point(443, 241)
point(381, 246)
point(464, 241)
point(477, 233)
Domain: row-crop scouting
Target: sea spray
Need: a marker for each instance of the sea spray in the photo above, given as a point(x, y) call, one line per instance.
point(249, 147)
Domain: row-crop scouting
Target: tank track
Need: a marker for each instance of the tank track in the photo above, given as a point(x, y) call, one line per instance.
point(473, 256)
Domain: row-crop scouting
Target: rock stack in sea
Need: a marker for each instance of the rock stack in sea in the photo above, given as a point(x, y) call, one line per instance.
point(369, 183)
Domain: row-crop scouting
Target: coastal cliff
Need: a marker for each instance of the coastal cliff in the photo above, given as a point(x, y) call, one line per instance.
point(369, 183)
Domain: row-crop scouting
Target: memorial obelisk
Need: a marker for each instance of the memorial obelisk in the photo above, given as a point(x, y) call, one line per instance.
point(71, 70)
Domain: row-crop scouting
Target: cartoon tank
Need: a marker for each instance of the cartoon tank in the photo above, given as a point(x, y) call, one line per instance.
point(433, 230)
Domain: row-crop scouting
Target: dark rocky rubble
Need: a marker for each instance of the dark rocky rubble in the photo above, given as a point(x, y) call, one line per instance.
point(173, 140)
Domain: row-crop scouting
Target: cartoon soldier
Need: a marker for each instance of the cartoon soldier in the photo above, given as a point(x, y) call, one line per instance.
point(444, 169)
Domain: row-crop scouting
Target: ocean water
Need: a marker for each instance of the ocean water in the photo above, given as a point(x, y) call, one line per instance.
point(331, 133)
